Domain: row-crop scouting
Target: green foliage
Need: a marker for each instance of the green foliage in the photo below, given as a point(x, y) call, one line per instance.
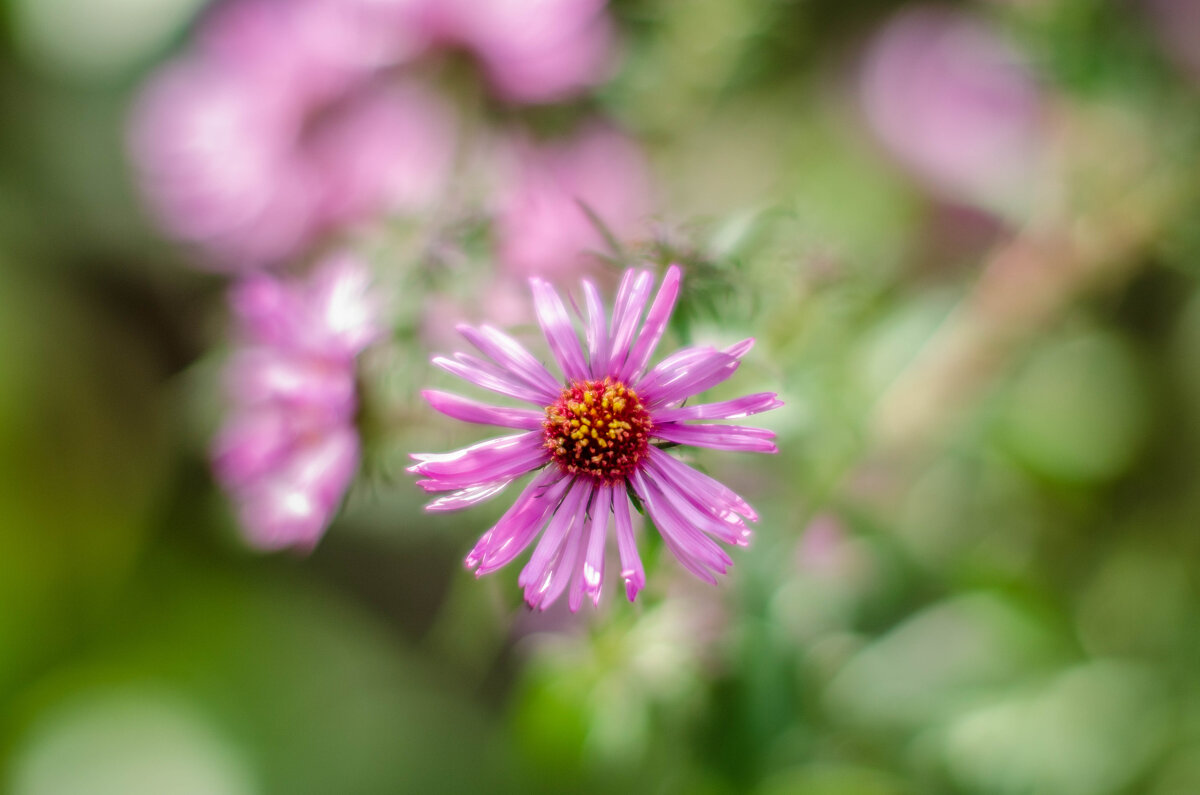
point(975, 566)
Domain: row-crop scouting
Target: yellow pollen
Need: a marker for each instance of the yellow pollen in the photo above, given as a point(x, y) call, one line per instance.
point(598, 429)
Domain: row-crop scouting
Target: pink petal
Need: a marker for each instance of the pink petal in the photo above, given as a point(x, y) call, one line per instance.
point(593, 565)
point(683, 374)
point(695, 551)
point(484, 375)
point(631, 563)
point(740, 349)
point(465, 498)
point(513, 358)
point(655, 325)
point(692, 481)
point(719, 437)
point(556, 325)
point(718, 517)
point(627, 311)
point(597, 334)
point(728, 528)
point(486, 462)
point(725, 410)
point(684, 559)
point(545, 576)
point(520, 523)
point(575, 558)
point(467, 410)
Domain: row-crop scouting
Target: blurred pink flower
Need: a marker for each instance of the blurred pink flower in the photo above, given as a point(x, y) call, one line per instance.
point(331, 43)
point(952, 101)
point(277, 129)
point(531, 51)
point(216, 162)
point(542, 227)
point(390, 149)
point(289, 448)
point(593, 438)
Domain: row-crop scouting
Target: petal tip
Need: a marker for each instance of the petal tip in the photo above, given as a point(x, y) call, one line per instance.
point(631, 590)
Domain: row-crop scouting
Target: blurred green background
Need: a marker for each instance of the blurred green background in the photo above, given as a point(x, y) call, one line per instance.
point(976, 568)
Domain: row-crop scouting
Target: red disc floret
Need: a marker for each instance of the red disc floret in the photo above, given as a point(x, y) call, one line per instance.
point(598, 429)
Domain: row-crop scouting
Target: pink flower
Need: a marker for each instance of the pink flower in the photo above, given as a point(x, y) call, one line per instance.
point(279, 127)
point(289, 449)
point(592, 436)
point(542, 226)
point(331, 43)
point(532, 51)
point(390, 149)
point(952, 101)
point(216, 161)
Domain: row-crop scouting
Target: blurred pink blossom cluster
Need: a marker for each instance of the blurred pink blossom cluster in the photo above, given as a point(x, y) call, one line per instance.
point(287, 119)
point(289, 449)
point(284, 126)
point(273, 129)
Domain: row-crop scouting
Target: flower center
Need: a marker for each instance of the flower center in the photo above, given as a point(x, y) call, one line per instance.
point(598, 429)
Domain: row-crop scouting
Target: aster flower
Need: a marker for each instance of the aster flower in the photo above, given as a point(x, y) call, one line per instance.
point(289, 447)
point(593, 439)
